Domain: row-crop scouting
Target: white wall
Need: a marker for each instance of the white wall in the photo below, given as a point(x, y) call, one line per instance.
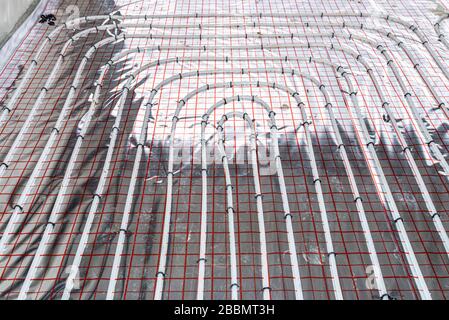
point(11, 12)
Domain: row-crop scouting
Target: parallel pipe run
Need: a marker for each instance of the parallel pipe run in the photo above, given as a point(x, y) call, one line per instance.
point(396, 217)
point(230, 214)
point(434, 215)
point(266, 289)
point(321, 203)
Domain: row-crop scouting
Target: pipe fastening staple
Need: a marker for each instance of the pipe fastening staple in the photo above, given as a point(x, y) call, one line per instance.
point(6, 108)
point(230, 208)
point(44, 88)
point(358, 198)
point(55, 129)
point(397, 220)
point(234, 285)
point(96, 195)
point(389, 61)
point(370, 143)
point(258, 195)
point(225, 117)
point(153, 90)
point(34, 61)
point(51, 223)
point(73, 87)
point(175, 118)
point(204, 170)
point(273, 127)
point(385, 295)
point(225, 101)
point(123, 230)
point(201, 259)
point(406, 148)
point(80, 135)
point(116, 128)
point(220, 127)
point(340, 145)
point(353, 93)
point(328, 105)
point(288, 214)
point(332, 253)
point(385, 104)
point(407, 94)
point(18, 206)
point(4, 164)
point(229, 186)
point(160, 273)
point(436, 214)
point(316, 180)
point(430, 142)
point(271, 114)
point(416, 65)
point(441, 105)
point(266, 288)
